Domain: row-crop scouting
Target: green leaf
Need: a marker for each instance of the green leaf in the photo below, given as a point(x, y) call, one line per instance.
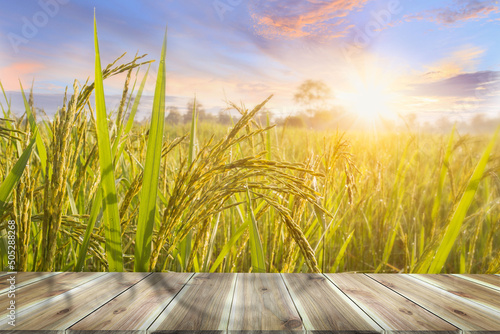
point(453, 229)
point(14, 176)
point(110, 201)
point(256, 250)
point(40, 147)
point(442, 177)
point(227, 247)
point(149, 190)
point(342, 250)
point(130, 121)
point(192, 135)
point(94, 213)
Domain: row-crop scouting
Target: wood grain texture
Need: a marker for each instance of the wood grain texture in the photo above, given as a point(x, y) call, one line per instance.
point(466, 289)
point(390, 310)
point(324, 308)
point(491, 281)
point(470, 317)
point(262, 303)
point(134, 310)
point(24, 278)
point(32, 294)
point(203, 305)
point(56, 314)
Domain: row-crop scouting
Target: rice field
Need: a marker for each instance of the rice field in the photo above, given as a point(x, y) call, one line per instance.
point(94, 190)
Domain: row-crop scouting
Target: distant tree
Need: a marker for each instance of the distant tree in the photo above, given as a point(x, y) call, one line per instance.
point(295, 121)
point(261, 117)
point(200, 110)
point(174, 116)
point(444, 124)
point(312, 94)
point(223, 117)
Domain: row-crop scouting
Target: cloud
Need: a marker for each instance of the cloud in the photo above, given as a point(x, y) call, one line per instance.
point(464, 60)
point(24, 71)
point(477, 85)
point(299, 18)
point(458, 11)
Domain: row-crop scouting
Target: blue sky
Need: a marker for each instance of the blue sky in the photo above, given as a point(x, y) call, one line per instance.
point(408, 56)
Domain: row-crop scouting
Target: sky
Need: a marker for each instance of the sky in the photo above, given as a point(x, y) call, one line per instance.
point(388, 58)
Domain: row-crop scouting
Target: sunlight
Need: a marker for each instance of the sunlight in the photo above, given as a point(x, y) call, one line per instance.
point(370, 102)
point(369, 94)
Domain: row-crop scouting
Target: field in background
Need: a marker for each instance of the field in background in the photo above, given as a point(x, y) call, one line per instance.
point(388, 199)
point(92, 190)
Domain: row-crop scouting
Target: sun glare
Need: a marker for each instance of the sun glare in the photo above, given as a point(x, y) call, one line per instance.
point(370, 103)
point(369, 96)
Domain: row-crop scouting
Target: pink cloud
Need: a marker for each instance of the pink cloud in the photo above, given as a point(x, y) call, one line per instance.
point(461, 10)
point(25, 71)
point(310, 18)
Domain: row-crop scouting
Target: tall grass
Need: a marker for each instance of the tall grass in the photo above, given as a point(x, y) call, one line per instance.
point(114, 194)
point(148, 195)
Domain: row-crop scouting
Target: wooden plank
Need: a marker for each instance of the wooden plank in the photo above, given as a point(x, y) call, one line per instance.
point(462, 313)
point(390, 310)
point(465, 289)
point(262, 304)
point(134, 310)
point(56, 314)
point(324, 308)
point(491, 281)
point(24, 278)
point(203, 305)
point(37, 292)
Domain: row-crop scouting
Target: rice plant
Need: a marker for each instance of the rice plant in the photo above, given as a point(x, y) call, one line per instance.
point(94, 190)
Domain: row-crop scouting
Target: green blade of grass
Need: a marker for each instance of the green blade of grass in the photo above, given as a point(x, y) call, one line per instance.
point(192, 135)
point(40, 147)
point(131, 117)
point(227, 247)
point(149, 190)
point(94, 213)
point(268, 138)
point(442, 176)
point(453, 229)
point(110, 202)
point(341, 253)
point(256, 250)
point(14, 175)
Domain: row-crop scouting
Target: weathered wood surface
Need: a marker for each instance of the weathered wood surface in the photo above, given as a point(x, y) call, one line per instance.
point(466, 289)
point(203, 305)
point(391, 311)
point(144, 303)
point(491, 281)
point(262, 303)
point(470, 317)
point(134, 310)
point(22, 279)
point(324, 308)
point(32, 294)
point(56, 314)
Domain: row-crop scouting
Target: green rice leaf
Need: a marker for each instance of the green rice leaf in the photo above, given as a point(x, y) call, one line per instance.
point(192, 135)
point(14, 175)
point(227, 247)
point(110, 201)
point(341, 253)
point(40, 146)
point(442, 177)
point(256, 250)
point(94, 213)
point(453, 229)
point(149, 190)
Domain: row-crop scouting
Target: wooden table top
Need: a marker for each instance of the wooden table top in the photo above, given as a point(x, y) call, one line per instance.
point(120, 303)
